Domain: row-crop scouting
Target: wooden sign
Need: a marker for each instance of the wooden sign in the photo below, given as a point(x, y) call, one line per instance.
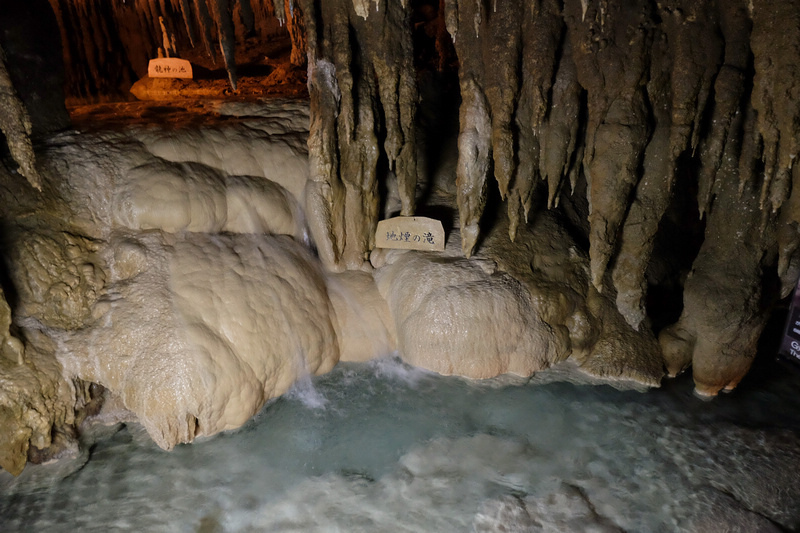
point(410, 233)
point(169, 67)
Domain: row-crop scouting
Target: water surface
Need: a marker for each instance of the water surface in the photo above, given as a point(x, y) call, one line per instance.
point(385, 447)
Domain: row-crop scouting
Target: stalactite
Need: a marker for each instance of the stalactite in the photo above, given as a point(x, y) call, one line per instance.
point(473, 162)
point(161, 7)
point(384, 42)
point(560, 130)
point(695, 47)
point(227, 37)
point(789, 238)
point(653, 193)
point(475, 123)
point(295, 24)
point(248, 17)
point(361, 73)
point(680, 82)
point(728, 92)
point(542, 29)
point(623, 94)
point(279, 10)
point(325, 194)
point(206, 26)
point(352, 155)
point(724, 309)
point(187, 21)
point(610, 45)
point(90, 45)
point(151, 12)
point(501, 60)
point(776, 46)
point(16, 126)
point(359, 162)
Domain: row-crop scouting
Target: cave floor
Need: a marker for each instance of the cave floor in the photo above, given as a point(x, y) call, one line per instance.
point(166, 114)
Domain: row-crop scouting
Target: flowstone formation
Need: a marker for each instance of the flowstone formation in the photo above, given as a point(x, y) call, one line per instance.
point(183, 286)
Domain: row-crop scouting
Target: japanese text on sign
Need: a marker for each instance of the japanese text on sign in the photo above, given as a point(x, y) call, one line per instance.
point(410, 233)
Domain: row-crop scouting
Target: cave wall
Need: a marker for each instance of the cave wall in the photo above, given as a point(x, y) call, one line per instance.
point(621, 103)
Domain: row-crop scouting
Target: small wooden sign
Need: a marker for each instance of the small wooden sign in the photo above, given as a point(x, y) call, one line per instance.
point(410, 233)
point(169, 67)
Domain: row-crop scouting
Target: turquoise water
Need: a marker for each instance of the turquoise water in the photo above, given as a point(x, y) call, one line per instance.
point(385, 447)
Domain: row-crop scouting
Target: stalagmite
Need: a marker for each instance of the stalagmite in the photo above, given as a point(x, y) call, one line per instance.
point(610, 47)
point(776, 93)
point(15, 124)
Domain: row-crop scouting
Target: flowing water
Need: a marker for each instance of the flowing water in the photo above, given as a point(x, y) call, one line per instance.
point(381, 446)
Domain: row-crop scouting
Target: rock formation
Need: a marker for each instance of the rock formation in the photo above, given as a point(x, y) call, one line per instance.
point(631, 97)
point(15, 124)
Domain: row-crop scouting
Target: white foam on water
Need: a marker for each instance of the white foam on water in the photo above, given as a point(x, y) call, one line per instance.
point(306, 393)
point(392, 368)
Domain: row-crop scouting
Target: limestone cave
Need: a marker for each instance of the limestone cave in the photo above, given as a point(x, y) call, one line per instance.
point(204, 258)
